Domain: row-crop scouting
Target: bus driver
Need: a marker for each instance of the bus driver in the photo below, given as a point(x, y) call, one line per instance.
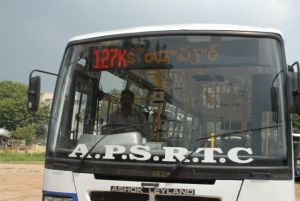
point(127, 115)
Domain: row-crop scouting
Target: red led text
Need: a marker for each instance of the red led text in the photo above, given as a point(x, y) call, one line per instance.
point(110, 58)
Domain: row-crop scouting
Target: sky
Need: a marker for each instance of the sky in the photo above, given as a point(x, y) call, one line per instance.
point(34, 33)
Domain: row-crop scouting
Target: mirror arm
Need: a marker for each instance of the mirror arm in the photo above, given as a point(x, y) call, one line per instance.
point(31, 92)
point(41, 71)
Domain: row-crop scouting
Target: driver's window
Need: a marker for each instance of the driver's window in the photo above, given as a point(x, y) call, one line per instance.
point(82, 103)
point(79, 109)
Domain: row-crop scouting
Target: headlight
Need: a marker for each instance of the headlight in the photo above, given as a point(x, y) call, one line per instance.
point(51, 198)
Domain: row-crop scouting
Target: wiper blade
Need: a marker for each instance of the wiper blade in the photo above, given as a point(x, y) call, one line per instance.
point(226, 134)
point(81, 162)
point(239, 132)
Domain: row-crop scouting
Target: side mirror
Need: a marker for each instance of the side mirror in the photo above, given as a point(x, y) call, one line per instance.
point(34, 94)
point(34, 89)
point(293, 89)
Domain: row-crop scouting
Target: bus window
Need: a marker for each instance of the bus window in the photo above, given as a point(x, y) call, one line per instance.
point(112, 84)
point(197, 94)
point(79, 113)
point(141, 99)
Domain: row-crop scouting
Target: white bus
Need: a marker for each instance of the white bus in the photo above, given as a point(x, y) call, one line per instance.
point(216, 101)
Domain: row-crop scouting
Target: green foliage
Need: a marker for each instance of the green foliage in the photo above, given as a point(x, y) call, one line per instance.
point(13, 111)
point(41, 123)
point(115, 92)
point(27, 133)
point(12, 156)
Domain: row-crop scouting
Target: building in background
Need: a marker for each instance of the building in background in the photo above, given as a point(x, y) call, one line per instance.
point(46, 97)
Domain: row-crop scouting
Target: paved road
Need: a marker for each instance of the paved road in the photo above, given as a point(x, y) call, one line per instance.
point(24, 182)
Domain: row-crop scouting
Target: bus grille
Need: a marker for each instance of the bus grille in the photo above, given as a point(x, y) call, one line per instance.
point(115, 196)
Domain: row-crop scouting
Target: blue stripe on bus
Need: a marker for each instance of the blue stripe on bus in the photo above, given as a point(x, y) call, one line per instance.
point(61, 194)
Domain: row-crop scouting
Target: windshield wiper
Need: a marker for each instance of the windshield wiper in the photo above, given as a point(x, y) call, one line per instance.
point(81, 162)
point(226, 134)
point(238, 132)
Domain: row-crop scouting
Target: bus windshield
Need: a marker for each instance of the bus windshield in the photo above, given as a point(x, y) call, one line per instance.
point(148, 99)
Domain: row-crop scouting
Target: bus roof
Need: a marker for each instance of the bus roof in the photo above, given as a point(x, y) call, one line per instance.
point(178, 27)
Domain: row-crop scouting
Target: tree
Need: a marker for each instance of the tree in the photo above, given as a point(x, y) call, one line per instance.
point(27, 133)
point(41, 123)
point(13, 100)
point(14, 115)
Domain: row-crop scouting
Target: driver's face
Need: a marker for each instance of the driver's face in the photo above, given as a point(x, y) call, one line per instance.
point(126, 101)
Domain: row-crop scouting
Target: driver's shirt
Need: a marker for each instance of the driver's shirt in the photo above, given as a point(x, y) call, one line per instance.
point(134, 118)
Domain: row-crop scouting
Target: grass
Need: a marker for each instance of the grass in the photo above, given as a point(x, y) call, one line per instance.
point(8, 156)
